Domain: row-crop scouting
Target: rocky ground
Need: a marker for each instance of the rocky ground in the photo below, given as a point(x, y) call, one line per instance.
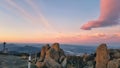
point(8, 61)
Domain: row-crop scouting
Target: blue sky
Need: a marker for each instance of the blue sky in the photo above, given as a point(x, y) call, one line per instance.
point(48, 20)
point(60, 12)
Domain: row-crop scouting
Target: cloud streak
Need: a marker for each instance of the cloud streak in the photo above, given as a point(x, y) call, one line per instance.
point(92, 38)
point(41, 18)
point(109, 16)
point(9, 8)
point(21, 10)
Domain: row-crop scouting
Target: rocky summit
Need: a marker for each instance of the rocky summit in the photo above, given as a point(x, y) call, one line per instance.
point(54, 57)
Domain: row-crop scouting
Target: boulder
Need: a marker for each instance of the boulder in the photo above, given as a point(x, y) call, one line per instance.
point(115, 63)
point(40, 64)
point(47, 47)
point(114, 53)
point(74, 62)
point(56, 46)
point(89, 64)
point(55, 52)
point(85, 57)
point(52, 57)
point(43, 52)
point(64, 63)
point(51, 63)
point(102, 56)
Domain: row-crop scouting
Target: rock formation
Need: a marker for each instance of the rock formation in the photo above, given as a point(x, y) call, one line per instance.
point(114, 53)
point(43, 52)
point(102, 56)
point(114, 63)
point(51, 57)
point(114, 58)
point(54, 57)
point(55, 52)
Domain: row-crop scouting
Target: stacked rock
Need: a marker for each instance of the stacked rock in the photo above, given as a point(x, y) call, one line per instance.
point(51, 57)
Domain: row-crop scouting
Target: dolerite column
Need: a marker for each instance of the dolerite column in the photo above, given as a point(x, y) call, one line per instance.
point(102, 56)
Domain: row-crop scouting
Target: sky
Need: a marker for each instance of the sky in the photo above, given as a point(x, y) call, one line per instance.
point(86, 22)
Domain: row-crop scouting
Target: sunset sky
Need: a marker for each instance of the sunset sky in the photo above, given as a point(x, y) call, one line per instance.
point(64, 21)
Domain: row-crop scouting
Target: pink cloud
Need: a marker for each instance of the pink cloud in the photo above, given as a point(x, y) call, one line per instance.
point(92, 38)
point(71, 39)
point(109, 16)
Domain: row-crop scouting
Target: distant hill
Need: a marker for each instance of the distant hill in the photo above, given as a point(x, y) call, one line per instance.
point(21, 48)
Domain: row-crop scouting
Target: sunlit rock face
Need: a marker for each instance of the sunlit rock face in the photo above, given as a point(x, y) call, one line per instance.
point(51, 57)
point(102, 56)
point(55, 52)
point(43, 52)
point(56, 46)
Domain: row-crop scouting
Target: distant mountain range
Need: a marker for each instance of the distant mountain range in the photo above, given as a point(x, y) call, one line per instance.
point(69, 49)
